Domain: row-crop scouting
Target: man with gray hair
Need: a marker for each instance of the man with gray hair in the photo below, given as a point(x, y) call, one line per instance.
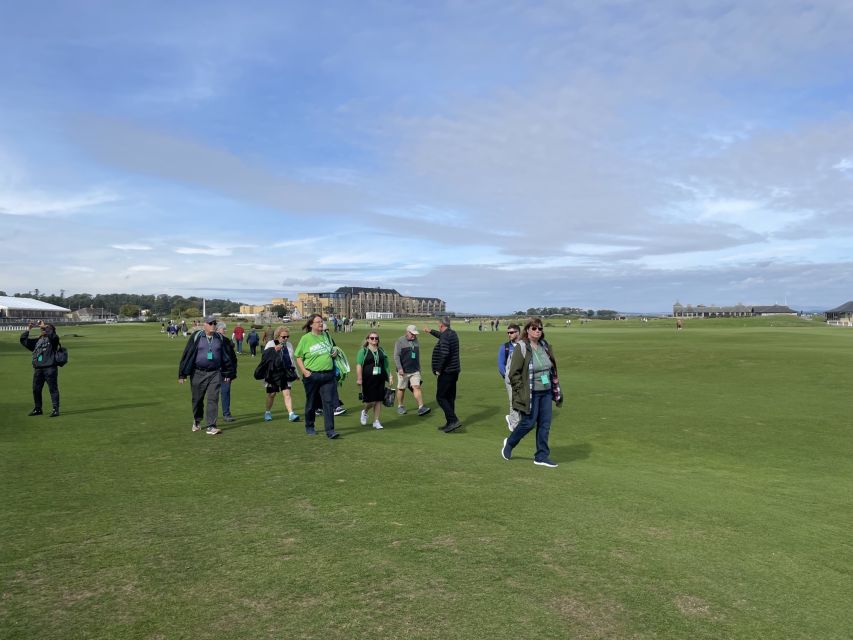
point(207, 362)
point(446, 366)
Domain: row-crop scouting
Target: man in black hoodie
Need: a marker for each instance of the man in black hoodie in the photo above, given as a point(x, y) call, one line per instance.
point(446, 365)
point(45, 369)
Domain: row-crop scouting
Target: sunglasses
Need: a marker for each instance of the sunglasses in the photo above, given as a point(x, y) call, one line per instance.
point(284, 337)
point(373, 338)
point(535, 329)
point(513, 332)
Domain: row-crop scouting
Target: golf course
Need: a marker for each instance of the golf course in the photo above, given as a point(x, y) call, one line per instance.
point(704, 490)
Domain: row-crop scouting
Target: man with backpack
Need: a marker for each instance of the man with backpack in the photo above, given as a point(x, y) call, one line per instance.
point(207, 362)
point(504, 354)
point(46, 349)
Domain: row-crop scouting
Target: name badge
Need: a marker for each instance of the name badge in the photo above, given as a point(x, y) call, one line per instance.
point(414, 355)
point(377, 371)
point(545, 378)
point(40, 357)
point(210, 355)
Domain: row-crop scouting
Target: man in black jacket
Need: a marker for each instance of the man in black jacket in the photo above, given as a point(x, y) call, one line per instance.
point(44, 350)
point(446, 365)
point(207, 361)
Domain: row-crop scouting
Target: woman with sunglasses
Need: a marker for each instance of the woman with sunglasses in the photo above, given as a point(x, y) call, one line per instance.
point(281, 372)
point(530, 375)
point(504, 355)
point(372, 374)
point(314, 358)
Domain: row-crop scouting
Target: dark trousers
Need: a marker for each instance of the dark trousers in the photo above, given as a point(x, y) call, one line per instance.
point(253, 348)
point(445, 395)
point(540, 415)
point(225, 394)
point(51, 376)
point(205, 386)
point(320, 390)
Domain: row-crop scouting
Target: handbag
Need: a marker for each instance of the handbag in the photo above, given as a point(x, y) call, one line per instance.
point(61, 357)
point(388, 400)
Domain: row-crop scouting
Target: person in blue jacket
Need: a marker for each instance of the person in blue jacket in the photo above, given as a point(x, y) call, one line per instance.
point(504, 354)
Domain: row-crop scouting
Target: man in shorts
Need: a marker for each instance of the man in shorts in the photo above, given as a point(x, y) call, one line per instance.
point(407, 359)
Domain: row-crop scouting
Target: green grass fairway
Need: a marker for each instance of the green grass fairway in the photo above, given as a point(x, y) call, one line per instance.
point(704, 491)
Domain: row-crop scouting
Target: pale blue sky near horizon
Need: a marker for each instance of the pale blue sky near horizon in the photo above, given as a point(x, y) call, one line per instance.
point(499, 155)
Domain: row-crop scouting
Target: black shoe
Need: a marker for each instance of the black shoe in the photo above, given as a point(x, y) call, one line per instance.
point(228, 418)
point(332, 435)
point(54, 413)
point(442, 427)
point(453, 426)
point(35, 412)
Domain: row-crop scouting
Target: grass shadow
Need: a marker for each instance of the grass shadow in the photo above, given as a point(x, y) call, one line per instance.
point(572, 452)
point(113, 407)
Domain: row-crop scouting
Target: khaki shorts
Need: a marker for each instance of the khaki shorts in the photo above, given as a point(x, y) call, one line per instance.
point(406, 378)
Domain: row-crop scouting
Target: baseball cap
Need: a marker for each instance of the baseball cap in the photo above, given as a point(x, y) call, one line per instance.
point(210, 320)
point(412, 329)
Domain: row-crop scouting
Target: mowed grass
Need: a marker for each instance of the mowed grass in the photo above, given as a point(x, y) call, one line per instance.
point(704, 491)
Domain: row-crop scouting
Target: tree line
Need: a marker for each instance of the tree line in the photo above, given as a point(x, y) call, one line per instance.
point(132, 304)
point(604, 314)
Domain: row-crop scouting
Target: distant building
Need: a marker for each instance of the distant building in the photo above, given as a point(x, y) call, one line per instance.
point(252, 309)
point(739, 310)
point(91, 314)
point(841, 316)
point(358, 302)
point(12, 308)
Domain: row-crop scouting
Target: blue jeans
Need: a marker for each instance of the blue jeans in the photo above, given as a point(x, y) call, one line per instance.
point(540, 415)
point(239, 346)
point(225, 394)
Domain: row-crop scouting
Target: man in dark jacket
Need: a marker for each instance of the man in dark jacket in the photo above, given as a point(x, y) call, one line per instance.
point(207, 362)
point(446, 365)
point(45, 369)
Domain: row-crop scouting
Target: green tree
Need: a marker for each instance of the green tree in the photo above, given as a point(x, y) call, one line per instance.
point(129, 311)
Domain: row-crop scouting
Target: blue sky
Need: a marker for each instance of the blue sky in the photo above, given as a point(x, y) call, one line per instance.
point(499, 155)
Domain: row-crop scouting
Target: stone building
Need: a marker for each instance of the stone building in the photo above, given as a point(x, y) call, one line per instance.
point(357, 302)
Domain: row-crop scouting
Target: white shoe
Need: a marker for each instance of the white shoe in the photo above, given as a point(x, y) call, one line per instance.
point(363, 418)
point(377, 424)
point(509, 424)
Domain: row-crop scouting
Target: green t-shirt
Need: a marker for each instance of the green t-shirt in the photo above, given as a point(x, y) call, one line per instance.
point(315, 352)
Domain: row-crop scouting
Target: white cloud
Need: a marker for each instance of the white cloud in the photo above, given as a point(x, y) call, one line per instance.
point(39, 203)
point(132, 247)
point(143, 268)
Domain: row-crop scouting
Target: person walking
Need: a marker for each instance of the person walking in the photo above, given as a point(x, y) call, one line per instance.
point(407, 360)
point(446, 366)
point(533, 376)
point(280, 372)
point(45, 367)
point(207, 363)
point(225, 389)
point(315, 355)
point(253, 339)
point(504, 354)
point(372, 373)
point(239, 332)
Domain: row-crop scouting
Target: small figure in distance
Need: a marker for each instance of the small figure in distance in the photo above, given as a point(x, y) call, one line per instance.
point(45, 369)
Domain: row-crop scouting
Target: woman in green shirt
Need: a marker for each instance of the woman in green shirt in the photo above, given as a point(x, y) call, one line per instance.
point(315, 355)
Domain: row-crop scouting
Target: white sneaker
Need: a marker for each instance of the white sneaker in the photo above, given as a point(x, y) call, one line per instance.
point(509, 424)
point(363, 418)
point(377, 424)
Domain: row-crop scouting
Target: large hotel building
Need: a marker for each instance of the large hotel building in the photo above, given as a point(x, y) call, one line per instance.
point(359, 302)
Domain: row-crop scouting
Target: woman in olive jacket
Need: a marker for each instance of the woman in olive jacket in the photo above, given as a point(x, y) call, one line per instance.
point(532, 368)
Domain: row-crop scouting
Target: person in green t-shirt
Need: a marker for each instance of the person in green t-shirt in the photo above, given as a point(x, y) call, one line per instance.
point(315, 355)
